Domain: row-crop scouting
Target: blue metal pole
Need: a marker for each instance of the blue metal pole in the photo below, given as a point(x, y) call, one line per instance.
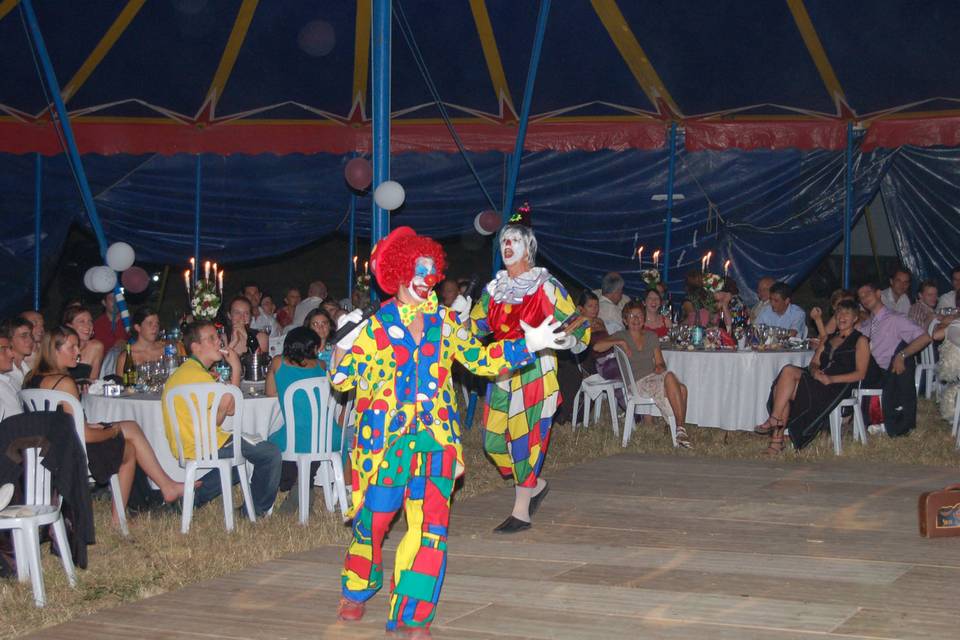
point(514, 171)
point(848, 206)
point(380, 42)
point(353, 244)
point(668, 226)
point(196, 217)
point(37, 216)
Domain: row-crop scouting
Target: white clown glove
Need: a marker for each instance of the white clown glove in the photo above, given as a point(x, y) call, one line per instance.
point(346, 342)
point(461, 305)
point(545, 336)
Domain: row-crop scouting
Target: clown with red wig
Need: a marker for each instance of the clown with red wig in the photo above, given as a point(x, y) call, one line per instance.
point(520, 404)
point(407, 451)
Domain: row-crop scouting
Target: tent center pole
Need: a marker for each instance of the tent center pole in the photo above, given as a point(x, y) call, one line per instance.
point(668, 223)
point(380, 55)
point(37, 227)
point(847, 206)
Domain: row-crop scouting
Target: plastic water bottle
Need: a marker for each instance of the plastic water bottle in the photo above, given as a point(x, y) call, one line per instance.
point(169, 355)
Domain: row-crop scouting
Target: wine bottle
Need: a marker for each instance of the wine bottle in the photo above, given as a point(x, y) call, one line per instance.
point(129, 369)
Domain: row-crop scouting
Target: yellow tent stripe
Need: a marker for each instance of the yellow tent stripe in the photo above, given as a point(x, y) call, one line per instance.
point(632, 53)
point(361, 53)
point(490, 51)
point(815, 47)
point(231, 51)
point(103, 47)
point(7, 6)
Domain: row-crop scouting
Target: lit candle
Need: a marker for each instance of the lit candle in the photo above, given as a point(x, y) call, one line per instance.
point(366, 264)
point(640, 255)
point(193, 266)
point(726, 268)
point(656, 259)
point(354, 264)
point(708, 257)
point(186, 281)
point(206, 270)
point(703, 264)
point(214, 270)
point(220, 283)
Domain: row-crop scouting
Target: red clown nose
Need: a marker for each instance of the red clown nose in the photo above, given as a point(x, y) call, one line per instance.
point(431, 280)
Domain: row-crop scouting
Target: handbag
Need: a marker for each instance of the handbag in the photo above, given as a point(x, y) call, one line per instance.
point(939, 512)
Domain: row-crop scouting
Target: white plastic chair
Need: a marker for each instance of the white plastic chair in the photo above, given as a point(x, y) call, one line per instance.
point(49, 400)
point(956, 422)
point(636, 402)
point(202, 402)
point(322, 419)
point(276, 344)
point(594, 388)
point(926, 371)
point(859, 424)
point(836, 423)
point(24, 524)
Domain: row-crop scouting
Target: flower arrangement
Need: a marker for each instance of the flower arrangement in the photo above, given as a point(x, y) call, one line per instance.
point(363, 282)
point(712, 282)
point(650, 277)
point(205, 301)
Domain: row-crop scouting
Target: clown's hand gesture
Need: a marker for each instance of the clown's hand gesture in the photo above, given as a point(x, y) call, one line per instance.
point(545, 336)
point(356, 316)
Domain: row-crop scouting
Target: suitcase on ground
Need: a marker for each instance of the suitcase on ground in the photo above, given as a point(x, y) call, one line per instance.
point(939, 512)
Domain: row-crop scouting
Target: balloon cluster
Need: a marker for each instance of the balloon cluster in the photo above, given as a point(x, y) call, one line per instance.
point(120, 257)
point(388, 195)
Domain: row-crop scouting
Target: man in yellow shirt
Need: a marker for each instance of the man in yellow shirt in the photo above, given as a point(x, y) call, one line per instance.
point(203, 346)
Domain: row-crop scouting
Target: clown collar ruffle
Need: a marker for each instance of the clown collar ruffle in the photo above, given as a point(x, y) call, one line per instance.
point(507, 290)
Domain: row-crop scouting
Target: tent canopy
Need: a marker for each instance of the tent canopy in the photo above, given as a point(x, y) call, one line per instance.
point(275, 99)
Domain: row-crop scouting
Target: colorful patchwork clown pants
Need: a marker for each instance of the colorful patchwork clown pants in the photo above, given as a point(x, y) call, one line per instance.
point(417, 473)
point(517, 418)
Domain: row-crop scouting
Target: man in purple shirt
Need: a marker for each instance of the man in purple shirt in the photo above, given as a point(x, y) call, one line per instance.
point(894, 340)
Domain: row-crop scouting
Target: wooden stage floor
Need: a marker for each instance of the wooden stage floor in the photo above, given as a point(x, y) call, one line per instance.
point(629, 547)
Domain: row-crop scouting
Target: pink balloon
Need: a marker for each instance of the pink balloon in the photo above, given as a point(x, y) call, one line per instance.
point(135, 280)
point(359, 173)
point(487, 222)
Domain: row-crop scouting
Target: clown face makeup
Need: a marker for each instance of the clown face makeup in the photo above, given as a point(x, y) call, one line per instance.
point(424, 278)
point(513, 248)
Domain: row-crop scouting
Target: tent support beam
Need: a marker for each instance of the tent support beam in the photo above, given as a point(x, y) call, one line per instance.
point(380, 38)
point(668, 223)
point(198, 181)
point(53, 90)
point(514, 170)
point(352, 247)
point(37, 228)
point(847, 206)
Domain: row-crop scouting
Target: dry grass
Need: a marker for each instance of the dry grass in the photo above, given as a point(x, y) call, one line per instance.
point(156, 558)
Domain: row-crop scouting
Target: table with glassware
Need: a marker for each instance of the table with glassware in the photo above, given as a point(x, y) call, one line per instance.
point(728, 387)
point(261, 416)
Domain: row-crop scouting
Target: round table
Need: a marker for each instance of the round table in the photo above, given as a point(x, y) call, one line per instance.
point(729, 389)
point(261, 416)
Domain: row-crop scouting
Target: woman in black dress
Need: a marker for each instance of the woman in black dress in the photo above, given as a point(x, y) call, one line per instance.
point(801, 399)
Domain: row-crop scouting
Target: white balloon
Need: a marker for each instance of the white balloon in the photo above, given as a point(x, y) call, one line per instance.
point(103, 279)
point(389, 195)
point(88, 279)
point(120, 256)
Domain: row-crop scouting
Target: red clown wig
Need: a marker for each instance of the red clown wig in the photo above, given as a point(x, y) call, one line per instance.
point(394, 258)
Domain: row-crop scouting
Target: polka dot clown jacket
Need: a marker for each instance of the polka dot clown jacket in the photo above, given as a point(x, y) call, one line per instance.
point(402, 387)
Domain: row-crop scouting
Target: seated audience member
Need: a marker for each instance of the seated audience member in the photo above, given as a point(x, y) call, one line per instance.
point(612, 301)
point(269, 307)
point(19, 333)
point(948, 366)
point(894, 340)
point(649, 370)
point(448, 290)
point(78, 318)
point(316, 293)
point(659, 324)
point(241, 337)
point(801, 399)
point(816, 313)
point(290, 301)
point(38, 329)
point(333, 309)
point(116, 447)
point(259, 320)
point(146, 333)
point(320, 322)
point(924, 310)
point(9, 401)
point(781, 313)
point(589, 307)
point(763, 297)
point(731, 309)
point(203, 344)
point(298, 362)
point(950, 300)
point(697, 304)
point(896, 297)
point(108, 328)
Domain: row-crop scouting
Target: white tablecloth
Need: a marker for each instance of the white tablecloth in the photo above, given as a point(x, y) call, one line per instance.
point(729, 389)
point(261, 416)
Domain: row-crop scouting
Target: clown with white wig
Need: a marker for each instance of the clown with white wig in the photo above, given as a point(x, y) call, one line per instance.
point(520, 404)
point(407, 452)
